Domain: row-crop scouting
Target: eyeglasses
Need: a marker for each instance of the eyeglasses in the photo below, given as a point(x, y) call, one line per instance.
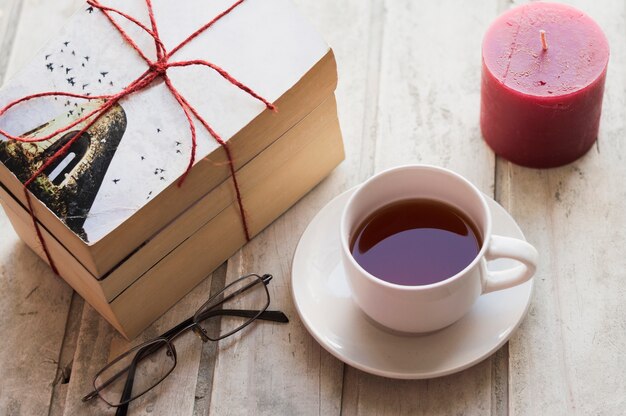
point(142, 368)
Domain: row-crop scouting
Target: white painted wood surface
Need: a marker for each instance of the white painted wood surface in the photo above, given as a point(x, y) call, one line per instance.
point(408, 93)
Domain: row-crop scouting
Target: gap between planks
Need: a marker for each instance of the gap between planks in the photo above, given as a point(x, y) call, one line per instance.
point(208, 356)
point(500, 369)
point(66, 356)
point(367, 160)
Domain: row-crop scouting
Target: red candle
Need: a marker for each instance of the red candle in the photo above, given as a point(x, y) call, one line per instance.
point(543, 72)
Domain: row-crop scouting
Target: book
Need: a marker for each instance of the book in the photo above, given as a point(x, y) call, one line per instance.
point(118, 186)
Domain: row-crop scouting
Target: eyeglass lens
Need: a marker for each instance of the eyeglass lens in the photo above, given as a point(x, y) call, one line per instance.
point(235, 307)
point(148, 364)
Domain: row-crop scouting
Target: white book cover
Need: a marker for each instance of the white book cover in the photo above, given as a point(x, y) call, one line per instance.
point(143, 144)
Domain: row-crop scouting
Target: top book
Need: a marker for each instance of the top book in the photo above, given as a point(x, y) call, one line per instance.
point(117, 185)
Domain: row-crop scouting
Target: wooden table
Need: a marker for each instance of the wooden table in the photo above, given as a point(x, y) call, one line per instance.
point(408, 93)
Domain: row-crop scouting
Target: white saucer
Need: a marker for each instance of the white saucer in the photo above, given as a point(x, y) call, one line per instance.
point(322, 298)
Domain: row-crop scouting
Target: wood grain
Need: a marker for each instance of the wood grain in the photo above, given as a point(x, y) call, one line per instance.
point(430, 87)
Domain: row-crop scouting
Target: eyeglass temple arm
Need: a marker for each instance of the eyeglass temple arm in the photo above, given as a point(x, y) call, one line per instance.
point(122, 410)
point(265, 279)
point(273, 316)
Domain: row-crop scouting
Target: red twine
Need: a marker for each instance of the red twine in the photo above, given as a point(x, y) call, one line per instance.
point(156, 69)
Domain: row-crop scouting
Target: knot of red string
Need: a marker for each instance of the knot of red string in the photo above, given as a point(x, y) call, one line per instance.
point(159, 67)
point(156, 69)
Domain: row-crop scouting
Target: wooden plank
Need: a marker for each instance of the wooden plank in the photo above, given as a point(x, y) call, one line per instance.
point(280, 369)
point(567, 358)
point(35, 304)
point(428, 113)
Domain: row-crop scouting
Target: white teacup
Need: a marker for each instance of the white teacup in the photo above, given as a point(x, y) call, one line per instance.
point(426, 308)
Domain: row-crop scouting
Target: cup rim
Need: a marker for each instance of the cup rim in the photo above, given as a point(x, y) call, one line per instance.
point(345, 244)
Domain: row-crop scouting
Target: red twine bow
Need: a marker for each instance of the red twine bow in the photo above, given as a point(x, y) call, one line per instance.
point(156, 69)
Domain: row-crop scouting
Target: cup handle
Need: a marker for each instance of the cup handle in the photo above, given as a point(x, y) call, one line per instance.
point(511, 248)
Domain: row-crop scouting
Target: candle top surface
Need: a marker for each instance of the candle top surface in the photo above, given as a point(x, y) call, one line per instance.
point(577, 50)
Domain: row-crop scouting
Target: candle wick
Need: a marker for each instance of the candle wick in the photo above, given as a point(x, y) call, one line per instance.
point(544, 41)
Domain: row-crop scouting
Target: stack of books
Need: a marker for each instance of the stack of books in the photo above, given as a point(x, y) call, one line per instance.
point(118, 224)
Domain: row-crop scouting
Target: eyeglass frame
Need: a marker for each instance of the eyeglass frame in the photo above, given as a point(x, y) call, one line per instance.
point(192, 323)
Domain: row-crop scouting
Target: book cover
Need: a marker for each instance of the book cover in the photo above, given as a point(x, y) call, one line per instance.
point(143, 143)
